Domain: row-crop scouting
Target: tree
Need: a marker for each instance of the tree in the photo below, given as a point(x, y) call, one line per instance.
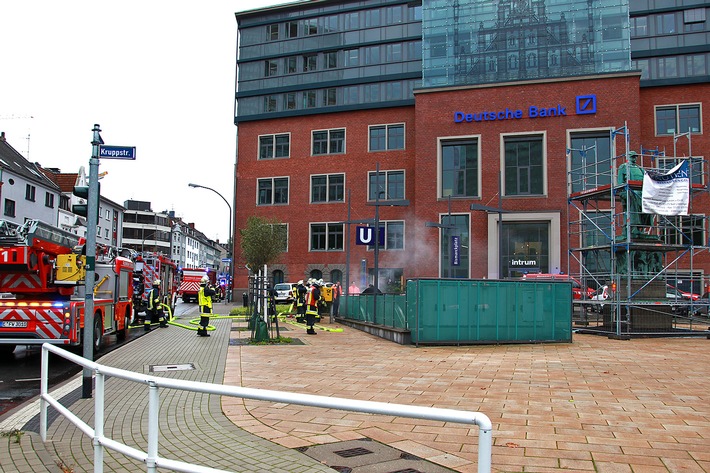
point(262, 241)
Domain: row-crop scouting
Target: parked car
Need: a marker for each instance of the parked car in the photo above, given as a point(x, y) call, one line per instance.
point(283, 292)
point(684, 297)
point(577, 292)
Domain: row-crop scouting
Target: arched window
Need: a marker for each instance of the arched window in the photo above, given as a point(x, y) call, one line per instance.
point(316, 274)
point(336, 276)
point(278, 276)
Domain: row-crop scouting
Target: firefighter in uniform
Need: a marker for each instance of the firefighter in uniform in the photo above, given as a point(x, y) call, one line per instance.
point(154, 312)
point(299, 300)
point(312, 302)
point(204, 299)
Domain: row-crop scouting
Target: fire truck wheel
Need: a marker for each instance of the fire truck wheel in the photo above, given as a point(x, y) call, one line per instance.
point(98, 333)
point(121, 334)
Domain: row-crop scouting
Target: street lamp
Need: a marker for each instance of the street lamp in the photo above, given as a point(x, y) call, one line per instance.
point(377, 204)
point(499, 210)
point(230, 243)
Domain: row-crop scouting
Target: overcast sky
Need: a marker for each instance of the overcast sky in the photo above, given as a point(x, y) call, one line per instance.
point(155, 74)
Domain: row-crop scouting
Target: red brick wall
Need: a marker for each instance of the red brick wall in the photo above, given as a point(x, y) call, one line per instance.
point(619, 102)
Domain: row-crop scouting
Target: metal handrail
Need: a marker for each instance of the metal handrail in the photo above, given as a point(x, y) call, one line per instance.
point(154, 461)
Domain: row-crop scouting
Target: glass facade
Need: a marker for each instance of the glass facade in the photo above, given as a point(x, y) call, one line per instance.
point(476, 42)
point(340, 56)
point(669, 41)
point(333, 56)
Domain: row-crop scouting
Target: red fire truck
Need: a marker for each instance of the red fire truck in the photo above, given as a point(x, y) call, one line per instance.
point(43, 289)
point(190, 283)
point(149, 267)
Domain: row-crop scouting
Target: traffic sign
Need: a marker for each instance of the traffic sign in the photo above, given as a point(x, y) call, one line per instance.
point(117, 152)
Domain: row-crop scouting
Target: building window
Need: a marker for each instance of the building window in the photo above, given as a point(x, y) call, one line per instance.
point(394, 235)
point(328, 141)
point(336, 275)
point(292, 29)
point(352, 57)
point(331, 60)
point(315, 274)
point(665, 24)
point(386, 137)
point(328, 188)
point(310, 62)
point(30, 191)
point(459, 168)
point(309, 99)
point(327, 237)
point(524, 170)
point(526, 248)
point(277, 276)
point(389, 186)
point(685, 230)
point(49, 200)
point(676, 119)
point(310, 27)
point(270, 103)
point(274, 146)
point(272, 191)
point(271, 68)
point(291, 65)
point(639, 26)
point(589, 160)
point(9, 210)
point(330, 97)
point(272, 32)
point(290, 101)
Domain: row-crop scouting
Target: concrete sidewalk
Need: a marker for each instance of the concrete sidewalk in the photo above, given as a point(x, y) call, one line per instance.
point(601, 405)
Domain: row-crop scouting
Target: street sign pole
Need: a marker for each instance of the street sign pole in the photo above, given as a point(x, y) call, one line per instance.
point(91, 223)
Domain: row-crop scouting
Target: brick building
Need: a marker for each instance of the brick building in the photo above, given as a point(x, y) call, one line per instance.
point(410, 113)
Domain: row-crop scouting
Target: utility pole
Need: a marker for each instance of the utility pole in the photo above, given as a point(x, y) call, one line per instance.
point(91, 223)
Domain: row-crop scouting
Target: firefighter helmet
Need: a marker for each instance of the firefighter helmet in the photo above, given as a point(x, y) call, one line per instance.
point(156, 282)
point(204, 280)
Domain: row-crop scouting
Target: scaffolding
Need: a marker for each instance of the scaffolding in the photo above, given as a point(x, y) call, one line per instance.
point(642, 266)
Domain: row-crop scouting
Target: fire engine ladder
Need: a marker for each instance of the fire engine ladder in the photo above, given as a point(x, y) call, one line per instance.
point(37, 230)
point(8, 234)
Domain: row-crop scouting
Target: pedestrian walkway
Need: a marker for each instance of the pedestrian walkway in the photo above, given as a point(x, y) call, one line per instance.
point(595, 405)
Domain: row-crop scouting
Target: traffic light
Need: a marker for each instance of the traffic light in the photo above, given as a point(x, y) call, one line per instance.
point(83, 193)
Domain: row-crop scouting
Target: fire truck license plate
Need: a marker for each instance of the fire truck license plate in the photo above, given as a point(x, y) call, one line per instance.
point(13, 323)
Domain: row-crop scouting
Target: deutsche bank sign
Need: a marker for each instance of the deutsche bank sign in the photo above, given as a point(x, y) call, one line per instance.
point(366, 236)
point(584, 105)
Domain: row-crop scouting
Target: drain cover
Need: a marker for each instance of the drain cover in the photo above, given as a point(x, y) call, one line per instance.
point(368, 456)
point(352, 452)
point(177, 367)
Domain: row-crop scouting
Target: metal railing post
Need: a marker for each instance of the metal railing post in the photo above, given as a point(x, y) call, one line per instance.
point(43, 382)
point(153, 411)
point(99, 423)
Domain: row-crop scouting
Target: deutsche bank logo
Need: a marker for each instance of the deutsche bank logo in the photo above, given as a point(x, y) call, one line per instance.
point(586, 104)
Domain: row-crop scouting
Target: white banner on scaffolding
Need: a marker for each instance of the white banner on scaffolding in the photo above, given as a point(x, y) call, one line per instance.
point(666, 193)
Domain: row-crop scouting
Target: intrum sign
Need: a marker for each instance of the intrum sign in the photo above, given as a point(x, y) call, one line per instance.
point(117, 152)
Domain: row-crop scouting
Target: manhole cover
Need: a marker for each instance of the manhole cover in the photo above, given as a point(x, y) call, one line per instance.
point(176, 367)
